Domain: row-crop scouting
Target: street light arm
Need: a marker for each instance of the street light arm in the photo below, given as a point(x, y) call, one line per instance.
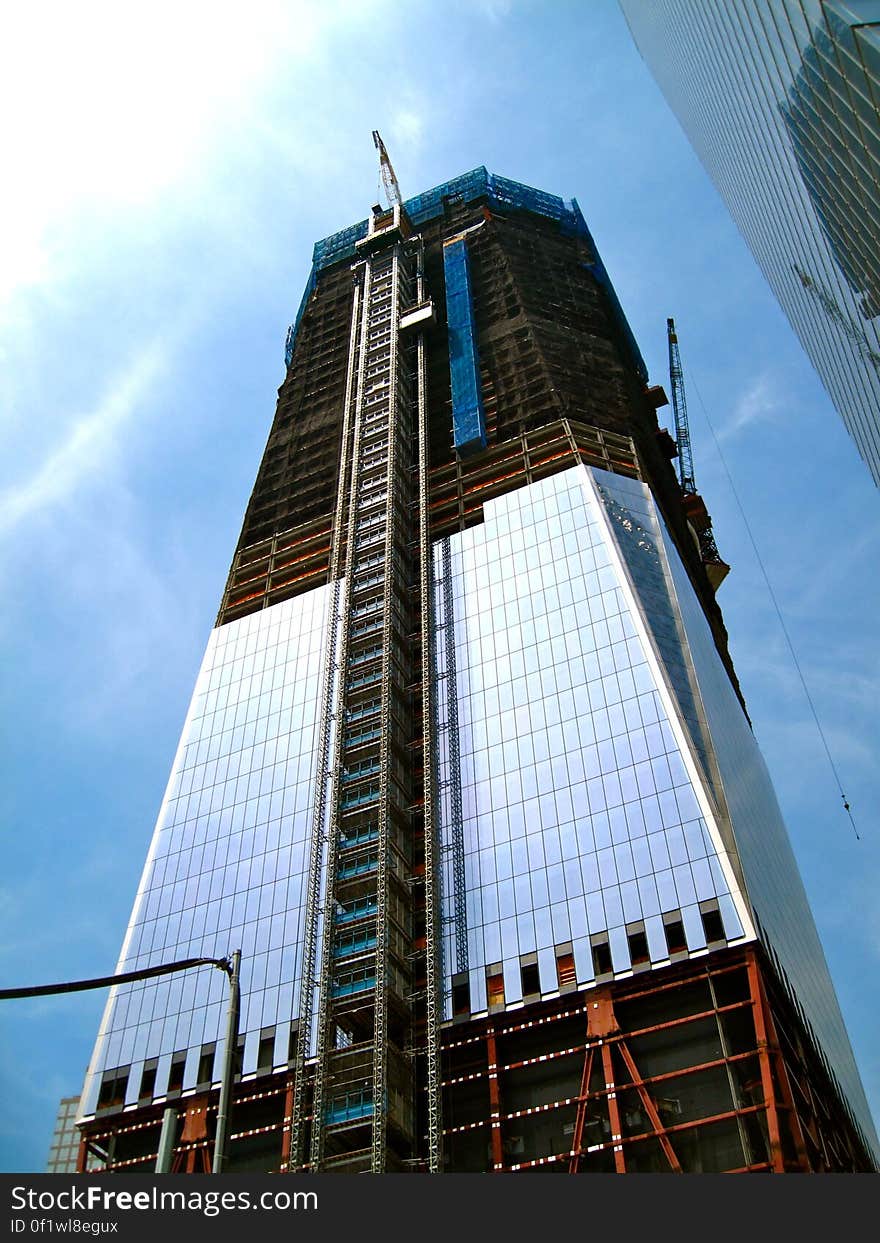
point(126, 977)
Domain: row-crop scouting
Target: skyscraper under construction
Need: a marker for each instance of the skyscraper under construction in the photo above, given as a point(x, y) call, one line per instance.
point(467, 774)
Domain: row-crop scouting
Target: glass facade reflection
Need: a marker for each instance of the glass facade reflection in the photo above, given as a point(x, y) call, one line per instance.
point(611, 787)
point(226, 865)
point(582, 815)
point(781, 100)
point(834, 123)
point(769, 868)
point(65, 1139)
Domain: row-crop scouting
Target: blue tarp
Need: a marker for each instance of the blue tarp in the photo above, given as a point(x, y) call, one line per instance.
point(478, 183)
point(468, 417)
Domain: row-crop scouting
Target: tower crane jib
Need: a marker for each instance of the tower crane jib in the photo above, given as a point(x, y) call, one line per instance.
point(389, 180)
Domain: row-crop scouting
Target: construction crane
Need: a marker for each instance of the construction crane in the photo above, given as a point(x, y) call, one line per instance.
point(679, 409)
point(694, 506)
point(389, 180)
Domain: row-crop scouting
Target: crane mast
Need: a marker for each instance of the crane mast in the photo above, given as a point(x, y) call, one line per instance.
point(694, 506)
point(679, 409)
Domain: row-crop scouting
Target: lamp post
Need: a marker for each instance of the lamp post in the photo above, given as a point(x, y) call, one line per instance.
point(232, 967)
point(222, 1133)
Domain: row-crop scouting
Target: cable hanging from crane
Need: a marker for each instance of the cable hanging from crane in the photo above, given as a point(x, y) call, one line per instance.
point(775, 602)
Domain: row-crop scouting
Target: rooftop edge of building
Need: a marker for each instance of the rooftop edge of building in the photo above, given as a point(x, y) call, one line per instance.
point(502, 193)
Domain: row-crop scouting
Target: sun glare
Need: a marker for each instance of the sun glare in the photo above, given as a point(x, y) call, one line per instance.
point(112, 102)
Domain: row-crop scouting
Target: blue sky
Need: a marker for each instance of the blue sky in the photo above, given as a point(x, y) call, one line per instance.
point(167, 173)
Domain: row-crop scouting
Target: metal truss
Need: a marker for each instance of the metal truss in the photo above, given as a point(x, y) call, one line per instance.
point(433, 937)
point(363, 1075)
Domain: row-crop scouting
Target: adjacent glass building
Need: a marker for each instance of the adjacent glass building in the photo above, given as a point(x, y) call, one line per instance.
point(466, 774)
point(781, 101)
point(64, 1148)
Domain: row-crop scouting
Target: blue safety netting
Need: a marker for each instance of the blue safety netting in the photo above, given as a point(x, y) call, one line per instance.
point(468, 417)
point(503, 194)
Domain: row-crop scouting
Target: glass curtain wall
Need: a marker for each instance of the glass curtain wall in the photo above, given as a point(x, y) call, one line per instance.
point(781, 101)
point(615, 812)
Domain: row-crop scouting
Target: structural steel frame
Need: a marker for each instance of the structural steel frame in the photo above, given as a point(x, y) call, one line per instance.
point(786, 1095)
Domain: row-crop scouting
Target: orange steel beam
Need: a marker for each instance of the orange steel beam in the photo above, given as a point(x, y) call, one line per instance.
point(698, 1122)
point(782, 1085)
point(613, 1111)
point(736, 962)
point(189, 1155)
point(288, 1115)
point(606, 1030)
point(785, 1091)
point(777, 1161)
point(581, 1116)
point(597, 1096)
point(810, 1123)
point(648, 1080)
point(494, 1101)
point(602, 1022)
point(758, 1166)
point(650, 1107)
point(633, 995)
point(629, 1140)
point(578, 1048)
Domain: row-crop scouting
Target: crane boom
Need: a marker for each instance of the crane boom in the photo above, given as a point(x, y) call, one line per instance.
point(679, 409)
point(389, 180)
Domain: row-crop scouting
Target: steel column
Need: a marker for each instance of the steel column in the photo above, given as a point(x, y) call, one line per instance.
point(494, 1102)
point(613, 1109)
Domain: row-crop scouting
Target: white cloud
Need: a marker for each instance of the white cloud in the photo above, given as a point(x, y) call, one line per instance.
point(835, 574)
point(407, 128)
point(758, 403)
point(106, 104)
point(495, 10)
point(90, 443)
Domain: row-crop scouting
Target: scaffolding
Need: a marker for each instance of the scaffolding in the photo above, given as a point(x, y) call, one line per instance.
point(380, 894)
point(310, 982)
point(430, 817)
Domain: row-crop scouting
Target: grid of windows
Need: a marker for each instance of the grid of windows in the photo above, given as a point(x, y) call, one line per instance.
point(582, 820)
point(227, 864)
point(781, 100)
point(615, 802)
point(64, 1148)
point(833, 116)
